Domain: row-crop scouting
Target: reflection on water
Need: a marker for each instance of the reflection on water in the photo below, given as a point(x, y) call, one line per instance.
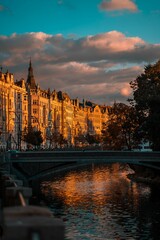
point(100, 202)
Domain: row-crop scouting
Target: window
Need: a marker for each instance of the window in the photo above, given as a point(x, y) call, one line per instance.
point(34, 110)
point(35, 120)
point(19, 96)
point(35, 102)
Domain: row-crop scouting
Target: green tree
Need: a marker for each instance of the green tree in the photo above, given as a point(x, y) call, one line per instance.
point(61, 140)
point(120, 131)
point(33, 137)
point(80, 139)
point(90, 138)
point(146, 100)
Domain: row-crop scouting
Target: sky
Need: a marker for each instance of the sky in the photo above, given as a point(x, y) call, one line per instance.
point(90, 49)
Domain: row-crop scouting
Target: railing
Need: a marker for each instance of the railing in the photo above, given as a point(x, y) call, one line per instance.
point(34, 235)
point(85, 156)
point(21, 220)
point(20, 195)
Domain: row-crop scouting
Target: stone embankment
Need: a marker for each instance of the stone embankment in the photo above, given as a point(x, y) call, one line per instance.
point(18, 219)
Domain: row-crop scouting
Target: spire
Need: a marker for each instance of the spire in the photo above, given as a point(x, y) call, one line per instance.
point(30, 79)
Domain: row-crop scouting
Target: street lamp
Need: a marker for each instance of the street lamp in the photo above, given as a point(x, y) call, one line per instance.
point(17, 128)
point(9, 133)
point(68, 133)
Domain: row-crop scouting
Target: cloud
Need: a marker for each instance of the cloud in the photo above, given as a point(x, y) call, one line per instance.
point(117, 5)
point(114, 41)
point(98, 67)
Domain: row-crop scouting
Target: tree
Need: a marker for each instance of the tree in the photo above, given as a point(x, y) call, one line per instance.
point(120, 131)
point(93, 139)
point(146, 100)
point(33, 137)
point(61, 140)
point(52, 137)
point(79, 139)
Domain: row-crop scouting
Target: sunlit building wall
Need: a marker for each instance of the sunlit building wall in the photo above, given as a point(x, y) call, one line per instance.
point(23, 104)
point(13, 110)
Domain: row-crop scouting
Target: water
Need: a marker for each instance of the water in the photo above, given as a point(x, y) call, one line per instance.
point(99, 202)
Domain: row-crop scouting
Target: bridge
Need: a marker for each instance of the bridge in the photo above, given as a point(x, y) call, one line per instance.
point(45, 161)
point(85, 156)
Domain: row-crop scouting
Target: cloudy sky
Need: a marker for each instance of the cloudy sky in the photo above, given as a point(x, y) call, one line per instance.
point(90, 49)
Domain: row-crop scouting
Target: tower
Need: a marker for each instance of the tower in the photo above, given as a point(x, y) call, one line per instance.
point(31, 91)
point(30, 80)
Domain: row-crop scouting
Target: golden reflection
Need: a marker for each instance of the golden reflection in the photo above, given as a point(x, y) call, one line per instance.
point(78, 187)
point(99, 195)
point(100, 186)
point(97, 186)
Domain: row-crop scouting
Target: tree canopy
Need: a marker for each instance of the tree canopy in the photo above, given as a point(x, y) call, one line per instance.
point(146, 100)
point(33, 137)
point(121, 127)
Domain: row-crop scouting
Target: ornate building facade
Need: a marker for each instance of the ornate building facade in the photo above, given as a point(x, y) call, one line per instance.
point(24, 104)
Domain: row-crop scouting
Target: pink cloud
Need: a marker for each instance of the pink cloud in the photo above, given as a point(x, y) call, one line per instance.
point(76, 67)
point(98, 68)
point(118, 5)
point(113, 41)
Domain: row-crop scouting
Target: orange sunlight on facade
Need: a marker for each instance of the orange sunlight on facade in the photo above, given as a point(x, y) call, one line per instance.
point(24, 104)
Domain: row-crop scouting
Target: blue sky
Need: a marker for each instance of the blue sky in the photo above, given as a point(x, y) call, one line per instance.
point(88, 48)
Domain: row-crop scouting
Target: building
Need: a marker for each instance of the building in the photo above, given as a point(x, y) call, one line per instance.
point(24, 105)
point(13, 102)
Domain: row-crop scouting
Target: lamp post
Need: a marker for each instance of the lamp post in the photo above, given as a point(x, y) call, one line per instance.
point(52, 130)
point(17, 128)
point(9, 133)
point(67, 133)
point(19, 134)
point(49, 130)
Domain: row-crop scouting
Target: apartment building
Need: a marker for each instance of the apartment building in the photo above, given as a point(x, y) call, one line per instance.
point(23, 104)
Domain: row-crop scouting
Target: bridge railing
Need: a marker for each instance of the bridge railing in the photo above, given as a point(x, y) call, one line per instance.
point(58, 156)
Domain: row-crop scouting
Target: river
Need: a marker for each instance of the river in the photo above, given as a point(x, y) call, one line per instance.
point(99, 202)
